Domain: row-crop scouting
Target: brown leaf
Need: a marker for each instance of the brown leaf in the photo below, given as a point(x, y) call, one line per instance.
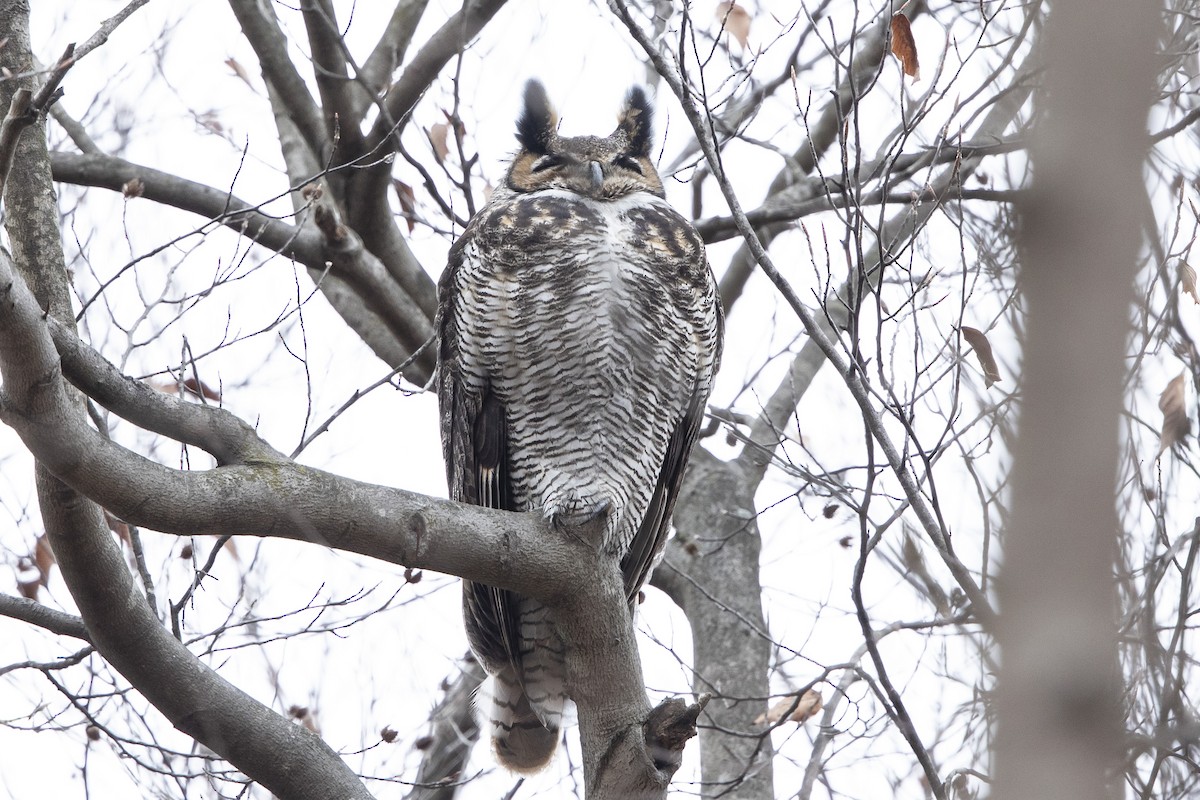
point(29, 578)
point(1187, 280)
point(239, 70)
point(305, 717)
point(904, 46)
point(43, 557)
point(736, 20)
point(408, 202)
point(1176, 424)
point(983, 351)
point(118, 527)
point(212, 121)
point(133, 188)
point(439, 137)
point(201, 389)
point(191, 385)
point(806, 707)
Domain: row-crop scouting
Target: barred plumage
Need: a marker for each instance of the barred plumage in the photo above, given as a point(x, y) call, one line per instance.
point(579, 334)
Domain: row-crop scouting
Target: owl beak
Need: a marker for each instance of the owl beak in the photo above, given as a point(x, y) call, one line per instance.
point(597, 174)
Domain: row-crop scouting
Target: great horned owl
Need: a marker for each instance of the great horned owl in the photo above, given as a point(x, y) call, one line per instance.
point(579, 333)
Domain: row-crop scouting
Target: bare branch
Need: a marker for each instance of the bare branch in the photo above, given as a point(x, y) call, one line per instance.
point(107, 27)
point(454, 731)
point(35, 613)
point(110, 172)
point(333, 79)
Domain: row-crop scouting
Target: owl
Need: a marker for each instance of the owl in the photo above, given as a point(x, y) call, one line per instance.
point(579, 332)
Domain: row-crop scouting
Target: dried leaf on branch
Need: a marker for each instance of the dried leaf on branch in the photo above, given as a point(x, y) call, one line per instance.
point(1176, 424)
point(192, 386)
point(983, 351)
point(735, 20)
point(793, 709)
point(439, 137)
point(240, 71)
point(1187, 280)
point(904, 46)
point(408, 202)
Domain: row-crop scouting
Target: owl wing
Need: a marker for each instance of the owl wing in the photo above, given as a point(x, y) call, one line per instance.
point(652, 534)
point(475, 445)
point(706, 313)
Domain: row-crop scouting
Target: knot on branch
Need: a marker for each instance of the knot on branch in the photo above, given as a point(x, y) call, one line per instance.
point(328, 220)
point(668, 728)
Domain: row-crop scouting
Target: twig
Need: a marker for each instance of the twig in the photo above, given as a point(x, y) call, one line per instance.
point(107, 27)
point(849, 373)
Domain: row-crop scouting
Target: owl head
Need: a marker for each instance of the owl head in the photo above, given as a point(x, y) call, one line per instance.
point(602, 168)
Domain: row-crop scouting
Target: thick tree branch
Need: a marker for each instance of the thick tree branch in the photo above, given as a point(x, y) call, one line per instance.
point(35, 613)
point(265, 495)
point(333, 79)
point(109, 172)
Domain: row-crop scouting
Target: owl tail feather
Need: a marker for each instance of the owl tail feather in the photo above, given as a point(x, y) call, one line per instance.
point(521, 741)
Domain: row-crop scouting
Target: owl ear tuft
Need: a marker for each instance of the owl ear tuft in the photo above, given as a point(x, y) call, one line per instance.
point(636, 121)
point(537, 123)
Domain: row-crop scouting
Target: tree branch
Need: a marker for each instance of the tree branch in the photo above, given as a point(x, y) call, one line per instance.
point(113, 173)
point(454, 729)
point(43, 616)
point(333, 79)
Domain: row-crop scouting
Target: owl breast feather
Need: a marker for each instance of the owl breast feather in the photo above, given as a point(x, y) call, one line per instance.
point(578, 338)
